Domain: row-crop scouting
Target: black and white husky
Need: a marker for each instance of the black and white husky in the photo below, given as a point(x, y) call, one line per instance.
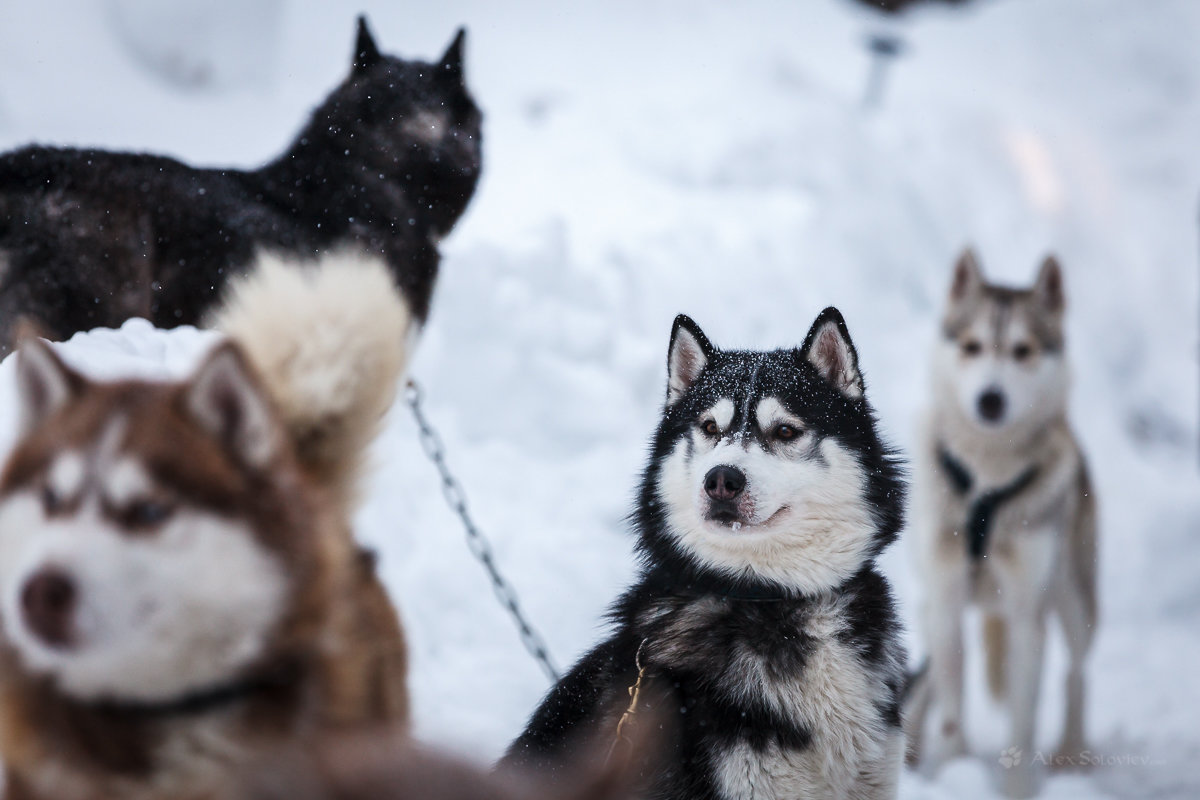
point(765, 636)
point(386, 164)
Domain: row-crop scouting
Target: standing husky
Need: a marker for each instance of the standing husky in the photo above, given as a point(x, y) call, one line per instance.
point(388, 162)
point(179, 589)
point(759, 622)
point(1009, 518)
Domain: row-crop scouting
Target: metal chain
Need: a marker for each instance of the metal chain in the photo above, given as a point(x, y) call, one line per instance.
point(477, 543)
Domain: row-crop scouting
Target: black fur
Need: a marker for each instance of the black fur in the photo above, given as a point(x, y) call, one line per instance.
point(694, 623)
point(90, 238)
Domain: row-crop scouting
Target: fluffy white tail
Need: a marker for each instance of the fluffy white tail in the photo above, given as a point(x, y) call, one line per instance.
point(329, 338)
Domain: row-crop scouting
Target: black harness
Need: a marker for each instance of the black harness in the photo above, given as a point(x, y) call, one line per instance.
point(981, 512)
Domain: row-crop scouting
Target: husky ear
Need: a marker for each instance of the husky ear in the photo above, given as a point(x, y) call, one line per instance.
point(968, 277)
point(452, 61)
point(687, 356)
point(828, 348)
point(224, 396)
point(1048, 289)
point(366, 54)
point(44, 383)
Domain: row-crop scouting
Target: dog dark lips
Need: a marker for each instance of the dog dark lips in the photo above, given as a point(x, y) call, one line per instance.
point(730, 517)
point(723, 512)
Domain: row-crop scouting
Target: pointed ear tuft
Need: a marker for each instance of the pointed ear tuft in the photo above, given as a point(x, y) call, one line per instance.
point(687, 356)
point(828, 348)
point(366, 54)
point(44, 383)
point(452, 60)
point(968, 277)
point(1048, 288)
point(224, 396)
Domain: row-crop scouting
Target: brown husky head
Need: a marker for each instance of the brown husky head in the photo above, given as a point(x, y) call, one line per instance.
point(1000, 362)
point(152, 538)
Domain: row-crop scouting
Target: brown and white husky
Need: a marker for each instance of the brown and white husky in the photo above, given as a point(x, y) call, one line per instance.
point(179, 587)
point(1007, 517)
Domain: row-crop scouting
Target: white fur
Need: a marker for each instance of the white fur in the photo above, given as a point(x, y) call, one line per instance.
point(806, 524)
point(852, 750)
point(770, 412)
point(158, 615)
point(721, 413)
point(1035, 390)
point(329, 339)
point(127, 481)
point(427, 126)
point(67, 475)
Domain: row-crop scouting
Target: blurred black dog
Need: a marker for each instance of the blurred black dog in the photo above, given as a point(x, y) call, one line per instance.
point(388, 163)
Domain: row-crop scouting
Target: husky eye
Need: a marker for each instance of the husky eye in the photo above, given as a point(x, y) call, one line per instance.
point(972, 347)
point(1022, 351)
point(711, 427)
point(51, 502)
point(146, 513)
point(785, 433)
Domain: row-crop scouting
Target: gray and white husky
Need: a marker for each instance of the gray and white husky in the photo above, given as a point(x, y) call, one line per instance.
point(759, 629)
point(1006, 515)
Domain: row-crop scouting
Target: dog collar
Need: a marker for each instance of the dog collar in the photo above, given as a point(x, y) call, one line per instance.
point(200, 701)
point(702, 585)
point(753, 594)
point(984, 508)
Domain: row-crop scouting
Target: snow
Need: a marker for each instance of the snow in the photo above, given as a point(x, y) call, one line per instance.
point(646, 158)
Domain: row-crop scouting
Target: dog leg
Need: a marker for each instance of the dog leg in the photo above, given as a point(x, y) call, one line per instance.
point(915, 710)
point(1078, 634)
point(944, 625)
point(1027, 637)
point(1076, 608)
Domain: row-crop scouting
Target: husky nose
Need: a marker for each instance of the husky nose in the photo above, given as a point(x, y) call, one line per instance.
point(724, 483)
point(48, 603)
point(991, 405)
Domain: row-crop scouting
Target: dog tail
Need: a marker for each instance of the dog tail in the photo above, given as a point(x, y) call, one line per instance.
point(995, 650)
point(328, 337)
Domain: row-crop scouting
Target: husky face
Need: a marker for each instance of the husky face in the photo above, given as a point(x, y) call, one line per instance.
point(136, 563)
point(412, 122)
point(1001, 354)
point(766, 465)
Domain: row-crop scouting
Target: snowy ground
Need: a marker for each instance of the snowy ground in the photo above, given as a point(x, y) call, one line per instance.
point(645, 158)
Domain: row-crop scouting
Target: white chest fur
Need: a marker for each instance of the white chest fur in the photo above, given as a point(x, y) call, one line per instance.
point(835, 697)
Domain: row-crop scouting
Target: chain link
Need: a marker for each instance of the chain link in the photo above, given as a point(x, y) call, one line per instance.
point(477, 543)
